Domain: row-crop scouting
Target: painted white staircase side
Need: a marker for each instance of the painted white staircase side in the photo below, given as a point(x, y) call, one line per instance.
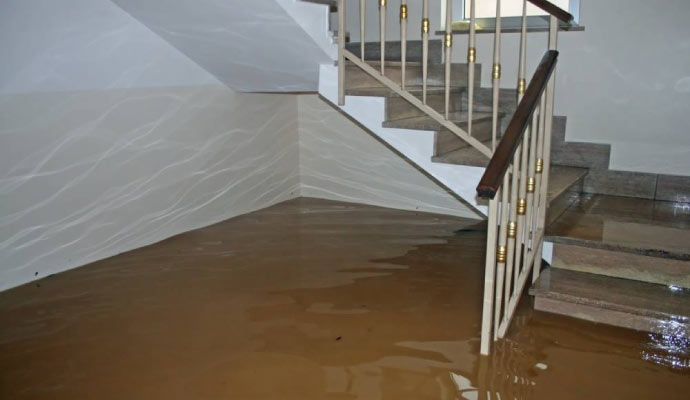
point(416, 146)
point(250, 46)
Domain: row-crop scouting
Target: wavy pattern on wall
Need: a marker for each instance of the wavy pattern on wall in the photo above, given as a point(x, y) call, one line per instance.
point(340, 161)
point(86, 175)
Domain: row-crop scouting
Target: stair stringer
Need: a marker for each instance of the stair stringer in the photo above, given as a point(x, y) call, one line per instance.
point(415, 145)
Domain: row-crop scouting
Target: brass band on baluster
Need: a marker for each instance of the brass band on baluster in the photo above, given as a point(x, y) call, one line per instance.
point(540, 165)
point(496, 72)
point(471, 55)
point(425, 25)
point(522, 86)
point(382, 3)
point(530, 185)
point(512, 229)
point(501, 254)
point(522, 207)
point(449, 39)
point(403, 11)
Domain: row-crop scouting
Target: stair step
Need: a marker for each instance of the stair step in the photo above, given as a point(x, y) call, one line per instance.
point(357, 78)
point(372, 50)
point(638, 226)
point(427, 123)
point(624, 237)
point(415, 90)
point(625, 303)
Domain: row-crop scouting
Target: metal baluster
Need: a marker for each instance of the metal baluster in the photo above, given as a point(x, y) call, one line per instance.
point(425, 46)
point(362, 25)
point(471, 59)
point(512, 230)
point(382, 13)
point(403, 38)
point(523, 229)
point(501, 253)
point(548, 111)
point(522, 83)
point(489, 276)
point(496, 75)
point(449, 50)
point(341, 54)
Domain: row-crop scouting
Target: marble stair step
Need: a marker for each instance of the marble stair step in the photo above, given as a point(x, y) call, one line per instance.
point(427, 123)
point(624, 237)
point(613, 301)
point(372, 50)
point(357, 78)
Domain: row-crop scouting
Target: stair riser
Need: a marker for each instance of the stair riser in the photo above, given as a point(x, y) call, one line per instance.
point(610, 317)
point(356, 78)
point(622, 265)
point(372, 51)
point(397, 107)
point(483, 100)
point(446, 141)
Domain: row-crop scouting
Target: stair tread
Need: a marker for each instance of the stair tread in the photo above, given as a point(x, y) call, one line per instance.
point(562, 179)
point(633, 225)
point(425, 122)
point(386, 92)
point(616, 294)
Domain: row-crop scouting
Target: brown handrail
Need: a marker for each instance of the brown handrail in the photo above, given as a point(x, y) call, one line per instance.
point(493, 176)
point(553, 10)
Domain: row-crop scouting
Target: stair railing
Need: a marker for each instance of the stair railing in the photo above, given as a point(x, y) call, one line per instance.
point(516, 179)
point(345, 55)
point(516, 183)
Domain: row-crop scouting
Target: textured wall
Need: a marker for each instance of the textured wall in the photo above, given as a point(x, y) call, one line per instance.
point(112, 139)
point(340, 161)
point(87, 175)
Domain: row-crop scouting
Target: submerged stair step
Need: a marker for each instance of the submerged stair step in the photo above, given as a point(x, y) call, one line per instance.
point(614, 301)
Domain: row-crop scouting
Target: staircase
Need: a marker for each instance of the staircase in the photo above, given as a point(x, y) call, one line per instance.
point(623, 261)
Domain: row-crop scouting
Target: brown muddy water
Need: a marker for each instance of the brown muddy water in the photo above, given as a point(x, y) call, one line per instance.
point(310, 299)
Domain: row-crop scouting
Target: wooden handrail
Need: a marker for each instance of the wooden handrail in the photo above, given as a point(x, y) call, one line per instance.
point(498, 165)
point(554, 10)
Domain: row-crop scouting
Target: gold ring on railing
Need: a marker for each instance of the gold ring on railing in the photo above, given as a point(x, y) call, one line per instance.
point(522, 207)
point(403, 11)
point(512, 229)
point(449, 40)
point(382, 3)
point(471, 55)
point(496, 73)
point(425, 25)
point(522, 86)
point(530, 185)
point(501, 254)
point(540, 165)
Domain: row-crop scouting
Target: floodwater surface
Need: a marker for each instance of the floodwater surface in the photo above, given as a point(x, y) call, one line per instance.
point(311, 299)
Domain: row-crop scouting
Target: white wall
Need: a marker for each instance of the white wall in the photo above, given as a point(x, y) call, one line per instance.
point(341, 161)
point(111, 139)
point(625, 80)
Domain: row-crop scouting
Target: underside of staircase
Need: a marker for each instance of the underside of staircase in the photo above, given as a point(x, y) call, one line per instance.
point(621, 259)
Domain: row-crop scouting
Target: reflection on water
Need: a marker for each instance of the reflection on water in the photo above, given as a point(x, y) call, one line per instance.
point(310, 300)
point(669, 349)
